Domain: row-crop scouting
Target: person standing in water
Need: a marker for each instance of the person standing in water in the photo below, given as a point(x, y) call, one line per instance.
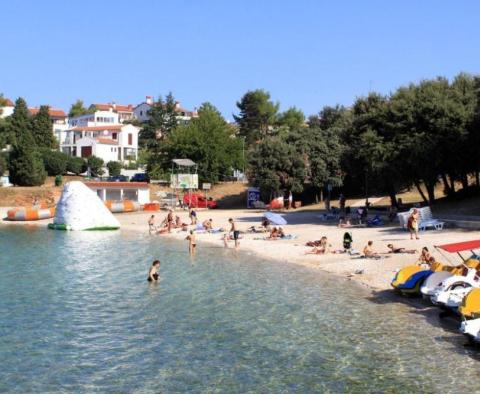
point(153, 272)
point(151, 224)
point(191, 242)
point(170, 220)
point(236, 233)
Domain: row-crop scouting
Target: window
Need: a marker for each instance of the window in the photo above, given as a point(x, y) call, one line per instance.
point(114, 136)
point(130, 139)
point(141, 113)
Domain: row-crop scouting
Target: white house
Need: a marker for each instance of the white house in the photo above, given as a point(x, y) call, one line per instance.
point(118, 191)
point(97, 118)
point(110, 142)
point(125, 112)
point(7, 109)
point(59, 121)
point(140, 112)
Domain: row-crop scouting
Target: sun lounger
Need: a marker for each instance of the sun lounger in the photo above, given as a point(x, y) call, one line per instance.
point(426, 219)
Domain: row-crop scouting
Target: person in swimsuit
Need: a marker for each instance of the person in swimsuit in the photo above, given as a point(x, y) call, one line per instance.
point(193, 216)
point(191, 242)
point(321, 248)
point(413, 224)
point(151, 224)
point(425, 257)
point(394, 249)
point(208, 224)
point(236, 233)
point(153, 272)
point(170, 220)
point(368, 251)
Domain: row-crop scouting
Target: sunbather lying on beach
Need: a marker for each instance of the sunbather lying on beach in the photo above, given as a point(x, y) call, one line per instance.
point(322, 248)
point(343, 223)
point(277, 233)
point(368, 251)
point(394, 249)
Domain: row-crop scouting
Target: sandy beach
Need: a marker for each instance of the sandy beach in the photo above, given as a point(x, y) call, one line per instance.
point(306, 226)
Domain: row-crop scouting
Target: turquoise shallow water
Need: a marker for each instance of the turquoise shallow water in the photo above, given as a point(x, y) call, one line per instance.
point(77, 315)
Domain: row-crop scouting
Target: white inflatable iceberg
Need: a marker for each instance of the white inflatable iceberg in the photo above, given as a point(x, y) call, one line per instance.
point(79, 208)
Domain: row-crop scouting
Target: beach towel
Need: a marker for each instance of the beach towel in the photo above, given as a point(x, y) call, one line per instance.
point(286, 238)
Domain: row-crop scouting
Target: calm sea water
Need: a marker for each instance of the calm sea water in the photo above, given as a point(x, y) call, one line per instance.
point(77, 315)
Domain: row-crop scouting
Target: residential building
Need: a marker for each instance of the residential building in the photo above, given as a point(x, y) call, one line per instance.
point(110, 142)
point(59, 121)
point(96, 118)
point(7, 109)
point(125, 112)
point(140, 112)
point(118, 191)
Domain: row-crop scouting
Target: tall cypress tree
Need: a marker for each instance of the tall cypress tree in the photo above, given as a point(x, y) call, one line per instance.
point(20, 125)
point(42, 128)
point(25, 164)
point(162, 121)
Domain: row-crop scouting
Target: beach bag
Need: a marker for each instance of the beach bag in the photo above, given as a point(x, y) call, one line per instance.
point(347, 241)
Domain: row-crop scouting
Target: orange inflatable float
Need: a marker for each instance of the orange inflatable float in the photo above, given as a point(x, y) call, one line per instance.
point(30, 213)
point(122, 206)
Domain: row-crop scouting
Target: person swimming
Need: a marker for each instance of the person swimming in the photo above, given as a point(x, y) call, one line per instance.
point(153, 271)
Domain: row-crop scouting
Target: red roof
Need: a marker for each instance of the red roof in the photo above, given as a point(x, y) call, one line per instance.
point(114, 107)
point(98, 128)
point(120, 185)
point(106, 141)
point(9, 103)
point(53, 112)
point(461, 246)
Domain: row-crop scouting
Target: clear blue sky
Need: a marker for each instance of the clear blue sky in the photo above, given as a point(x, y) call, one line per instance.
point(306, 53)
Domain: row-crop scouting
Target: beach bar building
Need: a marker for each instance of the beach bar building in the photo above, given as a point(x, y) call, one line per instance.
point(119, 191)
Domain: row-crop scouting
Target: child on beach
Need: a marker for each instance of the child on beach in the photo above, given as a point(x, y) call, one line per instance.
point(153, 271)
point(368, 251)
point(425, 257)
point(208, 224)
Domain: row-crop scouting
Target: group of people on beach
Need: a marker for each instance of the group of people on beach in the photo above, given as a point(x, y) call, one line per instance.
point(233, 234)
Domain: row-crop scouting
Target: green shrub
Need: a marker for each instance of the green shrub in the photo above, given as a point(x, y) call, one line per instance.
point(96, 165)
point(76, 165)
point(55, 162)
point(114, 168)
point(26, 166)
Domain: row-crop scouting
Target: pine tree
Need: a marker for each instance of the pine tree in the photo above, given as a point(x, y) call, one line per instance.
point(78, 109)
point(42, 129)
point(20, 125)
point(162, 121)
point(25, 164)
point(257, 115)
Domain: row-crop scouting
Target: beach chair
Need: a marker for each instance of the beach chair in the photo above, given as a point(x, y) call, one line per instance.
point(427, 220)
point(403, 219)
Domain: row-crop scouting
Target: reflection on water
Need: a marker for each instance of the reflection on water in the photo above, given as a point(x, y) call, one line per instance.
point(78, 315)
